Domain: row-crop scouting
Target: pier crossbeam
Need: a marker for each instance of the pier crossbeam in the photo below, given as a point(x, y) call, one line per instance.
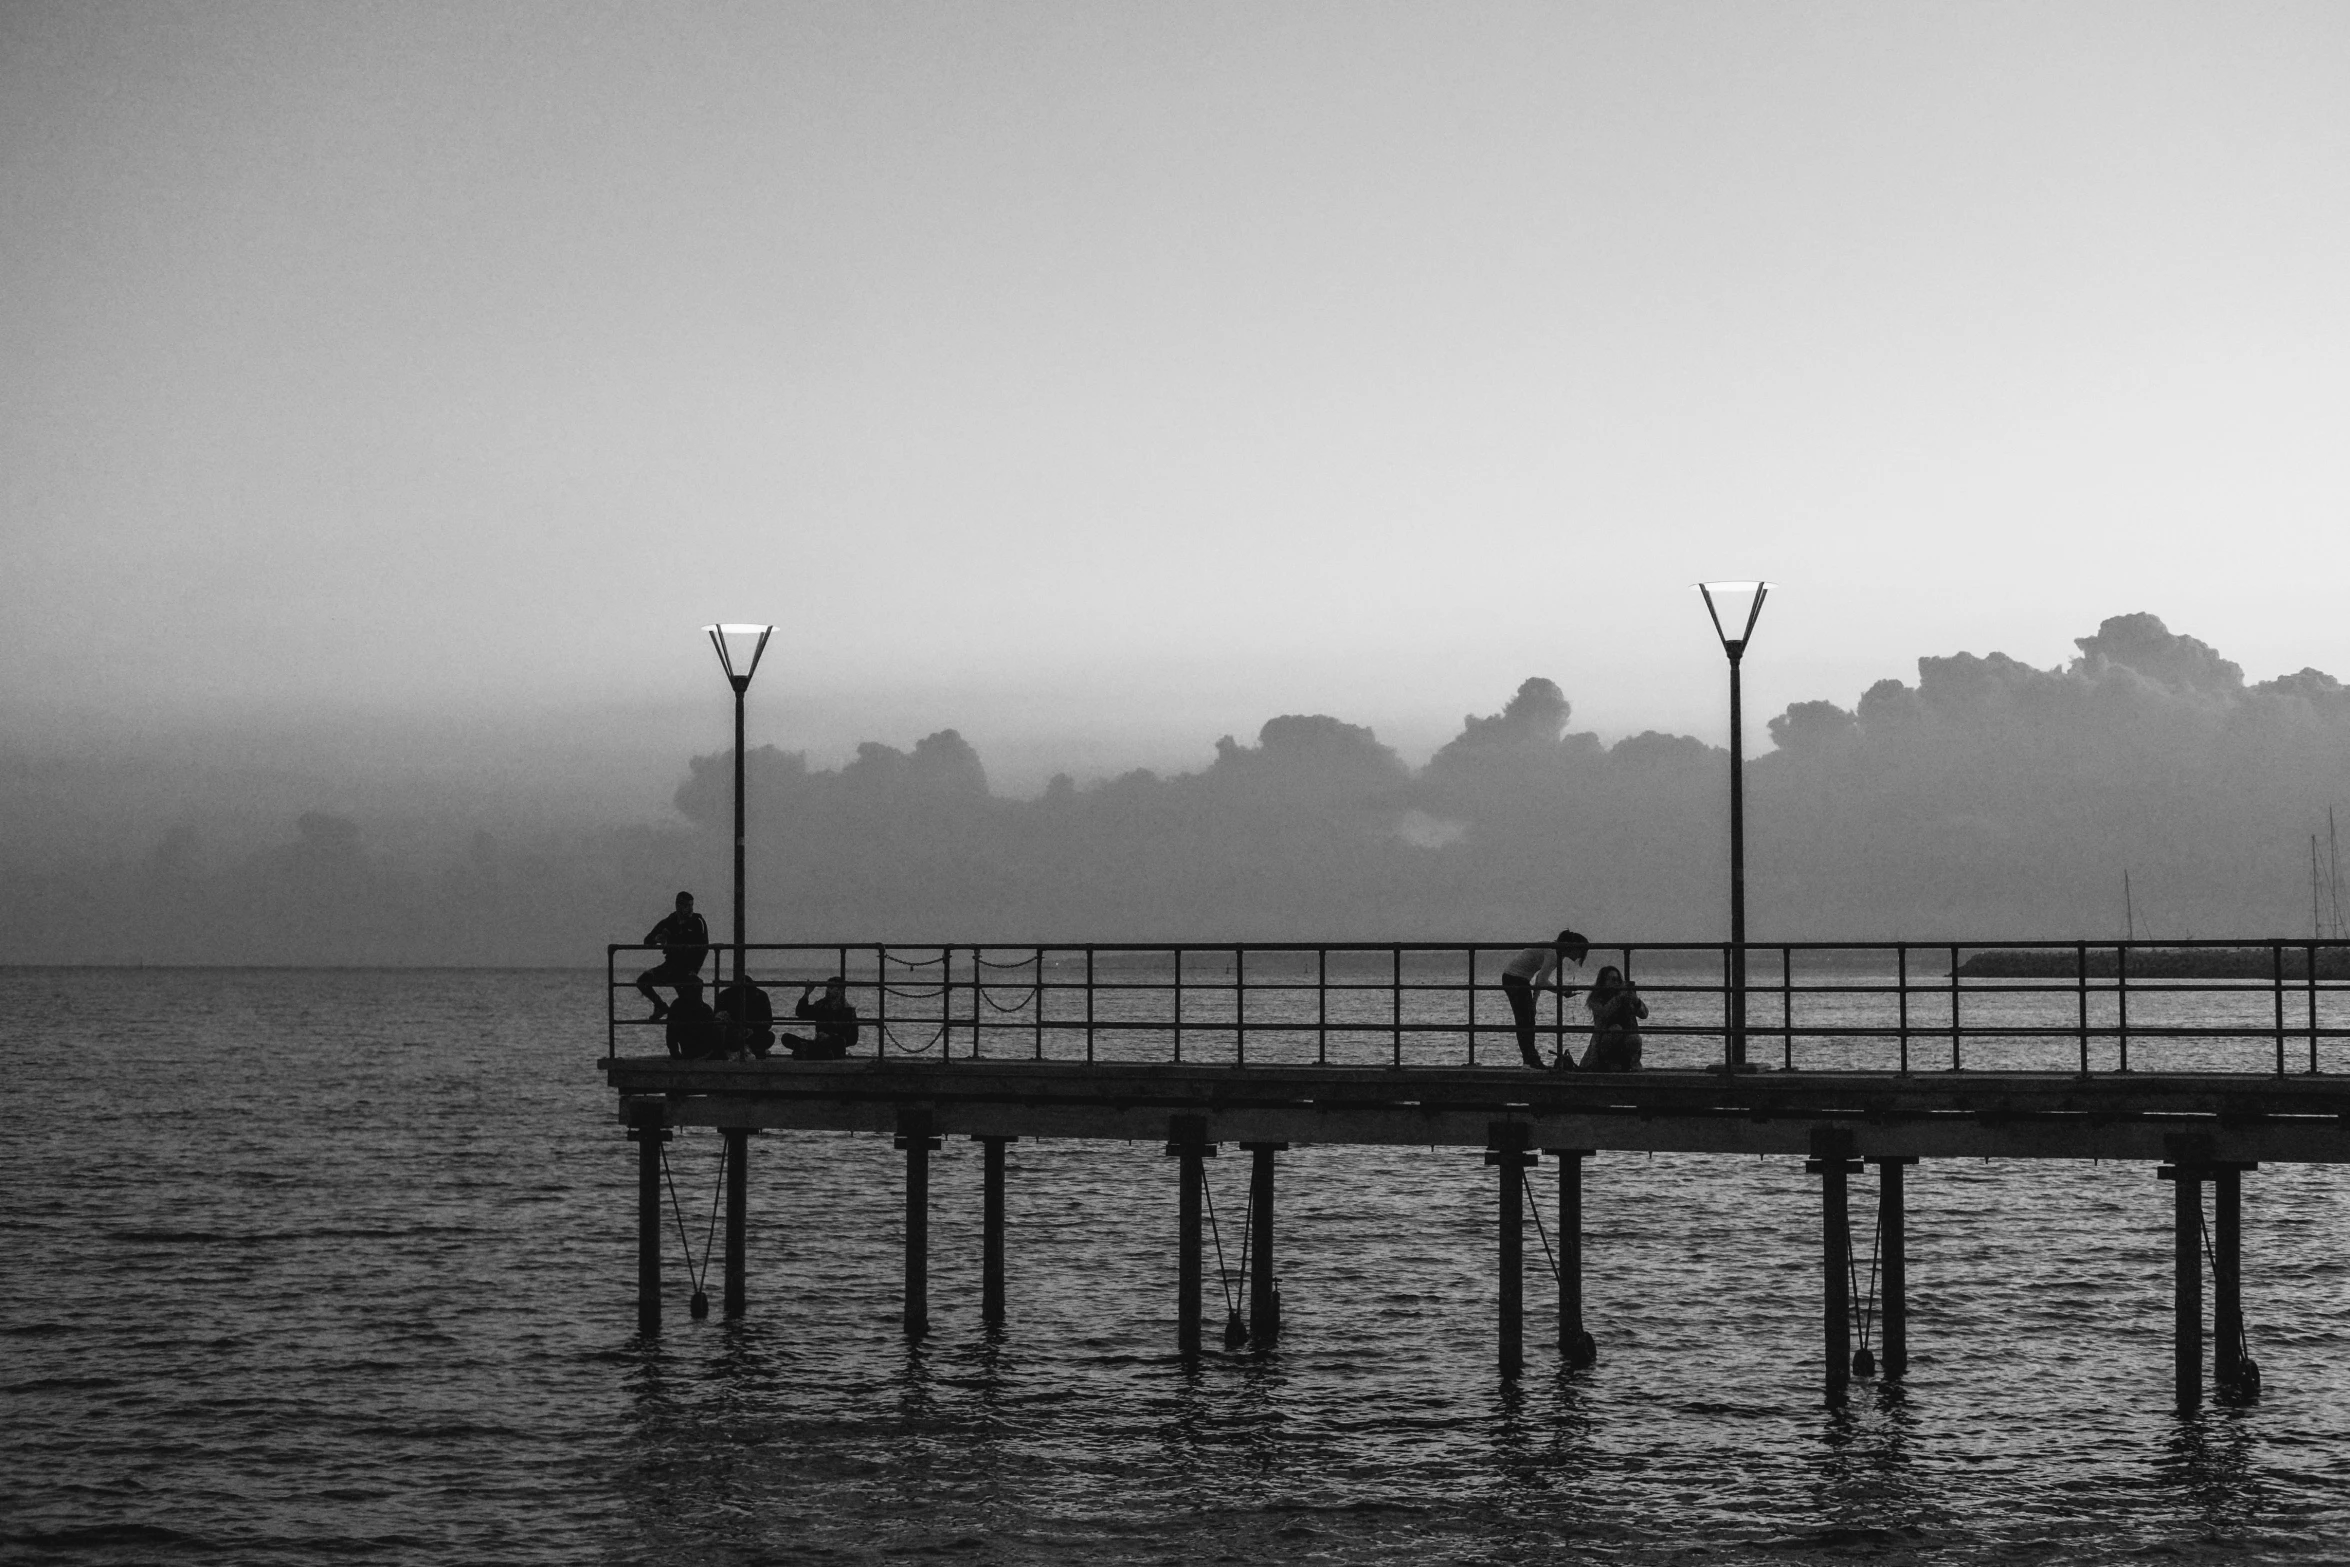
point(2245, 1117)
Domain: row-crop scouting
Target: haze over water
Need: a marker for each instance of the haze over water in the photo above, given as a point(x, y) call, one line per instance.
point(338, 1263)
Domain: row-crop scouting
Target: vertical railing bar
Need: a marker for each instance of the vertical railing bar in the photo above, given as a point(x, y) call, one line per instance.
point(1729, 1042)
point(1395, 996)
point(880, 1000)
point(1040, 1003)
point(1472, 951)
point(1178, 951)
point(1321, 1006)
point(1239, 1007)
point(1089, 1003)
point(2276, 975)
point(2121, 1001)
point(611, 1001)
point(1787, 1008)
point(1901, 994)
point(2081, 982)
point(1954, 1009)
point(2311, 979)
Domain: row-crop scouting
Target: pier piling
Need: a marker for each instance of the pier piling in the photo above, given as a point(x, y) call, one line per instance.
point(1187, 1143)
point(1893, 1267)
point(2233, 1368)
point(991, 1230)
point(738, 1189)
point(1506, 1152)
point(2187, 1274)
point(1264, 1290)
point(645, 1129)
point(914, 1137)
point(1832, 1162)
point(1575, 1343)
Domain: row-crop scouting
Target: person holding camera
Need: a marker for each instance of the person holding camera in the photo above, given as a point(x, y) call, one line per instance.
point(1616, 1011)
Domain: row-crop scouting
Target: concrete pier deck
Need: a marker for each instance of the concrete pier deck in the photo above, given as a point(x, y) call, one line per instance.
point(2231, 1118)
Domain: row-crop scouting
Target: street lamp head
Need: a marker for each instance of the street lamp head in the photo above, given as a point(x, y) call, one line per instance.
point(739, 648)
point(1734, 604)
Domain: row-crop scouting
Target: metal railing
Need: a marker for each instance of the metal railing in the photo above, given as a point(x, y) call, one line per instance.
point(2087, 1007)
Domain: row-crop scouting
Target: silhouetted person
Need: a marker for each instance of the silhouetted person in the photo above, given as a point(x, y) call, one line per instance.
point(1616, 1011)
point(684, 941)
point(749, 1018)
point(1536, 968)
point(835, 1020)
point(694, 1030)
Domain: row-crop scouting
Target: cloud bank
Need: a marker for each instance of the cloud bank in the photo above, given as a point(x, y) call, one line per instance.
point(1988, 799)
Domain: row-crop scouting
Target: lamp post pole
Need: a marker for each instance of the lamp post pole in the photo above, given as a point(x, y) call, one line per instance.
point(749, 642)
point(742, 686)
point(1734, 644)
point(1737, 1009)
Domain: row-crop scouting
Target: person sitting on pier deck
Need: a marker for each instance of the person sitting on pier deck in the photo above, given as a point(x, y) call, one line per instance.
point(1616, 1010)
point(695, 1034)
point(684, 940)
point(835, 1020)
point(1536, 968)
point(748, 1018)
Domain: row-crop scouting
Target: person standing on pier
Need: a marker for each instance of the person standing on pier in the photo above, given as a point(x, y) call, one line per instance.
point(1536, 968)
point(684, 940)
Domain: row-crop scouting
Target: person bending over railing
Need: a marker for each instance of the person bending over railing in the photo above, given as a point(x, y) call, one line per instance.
point(1536, 968)
point(835, 1020)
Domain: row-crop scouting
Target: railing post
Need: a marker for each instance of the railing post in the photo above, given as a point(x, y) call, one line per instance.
point(1787, 1008)
point(1395, 995)
point(1239, 1007)
point(2121, 1002)
point(2276, 971)
point(611, 1002)
point(1732, 1045)
point(1040, 1003)
point(1178, 1003)
point(1954, 1009)
point(2081, 983)
point(2311, 978)
point(880, 1001)
point(1472, 1006)
point(1089, 1005)
point(1901, 998)
point(1321, 1006)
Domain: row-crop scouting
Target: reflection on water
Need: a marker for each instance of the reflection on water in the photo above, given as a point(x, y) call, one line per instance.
point(343, 1264)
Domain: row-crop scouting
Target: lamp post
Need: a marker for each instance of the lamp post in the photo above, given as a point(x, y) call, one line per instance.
point(743, 643)
point(1742, 602)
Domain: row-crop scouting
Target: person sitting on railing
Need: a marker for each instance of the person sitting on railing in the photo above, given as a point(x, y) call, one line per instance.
point(1616, 1011)
point(748, 1018)
point(684, 940)
point(1534, 969)
point(695, 1034)
point(835, 1020)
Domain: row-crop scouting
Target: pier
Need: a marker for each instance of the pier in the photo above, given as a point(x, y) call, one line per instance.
point(1852, 1059)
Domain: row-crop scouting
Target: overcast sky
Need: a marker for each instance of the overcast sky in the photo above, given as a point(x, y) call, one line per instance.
point(1098, 378)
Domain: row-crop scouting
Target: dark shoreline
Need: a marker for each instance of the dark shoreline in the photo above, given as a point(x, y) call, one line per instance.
point(2247, 963)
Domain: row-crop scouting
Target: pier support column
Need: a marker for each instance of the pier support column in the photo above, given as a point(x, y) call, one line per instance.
point(1575, 1345)
point(1187, 1142)
point(1506, 1152)
point(645, 1129)
point(2237, 1374)
point(914, 1137)
point(1264, 1286)
point(2187, 1272)
point(991, 1230)
point(738, 1192)
point(1832, 1162)
point(1893, 1266)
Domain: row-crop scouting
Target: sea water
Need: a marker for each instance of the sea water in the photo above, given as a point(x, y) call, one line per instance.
point(341, 1265)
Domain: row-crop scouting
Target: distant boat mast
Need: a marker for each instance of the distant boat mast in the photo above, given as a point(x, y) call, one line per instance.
point(2129, 910)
